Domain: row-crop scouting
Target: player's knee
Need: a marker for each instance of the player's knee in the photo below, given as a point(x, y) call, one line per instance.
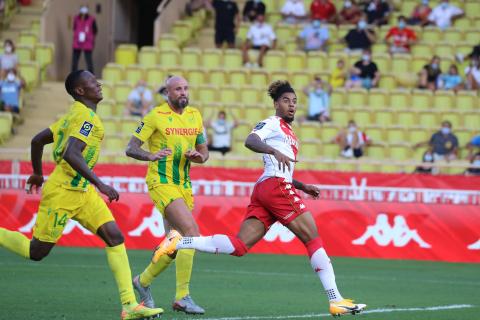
point(241, 248)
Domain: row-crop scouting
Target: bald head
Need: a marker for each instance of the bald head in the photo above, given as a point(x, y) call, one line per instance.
point(177, 91)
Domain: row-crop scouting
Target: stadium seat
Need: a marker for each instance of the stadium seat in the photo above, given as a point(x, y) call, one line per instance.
point(383, 62)
point(190, 58)
point(407, 118)
point(444, 50)
point(156, 76)
point(243, 31)
point(428, 119)
point(330, 150)
point(300, 79)
point(113, 72)
point(452, 36)
point(350, 166)
point(274, 60)
point(128, 127)
point(284, 31)
point(148, 56)
point(218, 77)
point(105, 109)
point(377, 135)
point(356, 98)
point(466, 100)
point(309, 130)
point(471, 120)
point(326, 133)
point(169, 57)
point(259, 78)
point(362, 117)
point(295, 61)
point(421, 99)
point(182, 29)
point(30, 71)
point(196, 76)
point(399, 152)
point(422, 49)
point(44, 54)
point(455, 117)
point(255, 112)
point(228, 94)
point(121, 91)
point(212, 58)
point(207, 94)
point(232, 59)
point(238, 77)
point(341, 117)
point(378, 99)
point(338, 97)
point(27, 38)
point(376, 151)
point(400, 64)
point(385, 117)
point(316, 61)
point(387, 81)
point(397, 135)
point(309, 149)
point(134, 73)
point(110, 126)
point(6, 121)
point(107, 89)
point(400, 99)
point(419, 134)
point(249, 95)
point(443, 100)
point(126, 54)
point(472, 8)
point(115, 144)
point(471, 36)
point(167, 41)
point(367, 167)
point(24, 52)
point(431, 35)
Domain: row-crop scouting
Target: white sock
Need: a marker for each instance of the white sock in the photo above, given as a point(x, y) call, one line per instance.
point(218, 243)
point(323, 268)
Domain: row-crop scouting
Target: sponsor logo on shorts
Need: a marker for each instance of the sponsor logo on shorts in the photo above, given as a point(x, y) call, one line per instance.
point(140, 127)
point(86, 128)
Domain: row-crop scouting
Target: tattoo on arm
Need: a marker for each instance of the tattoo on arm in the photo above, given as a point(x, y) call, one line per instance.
point(134, 150)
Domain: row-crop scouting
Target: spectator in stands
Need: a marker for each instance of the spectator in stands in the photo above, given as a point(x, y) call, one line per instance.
point(444, 143)
point(400, 37)
point(252, 9)
point(323, 10)
point(139, 100)
point(352, 141)
point(9, 59)
point(261, 37)
point(10, 88)
point(427, 160)
point(444, 15)
point(339, 75)
point(318, 93)
point(360, 38)
point(472, 75)
point(451, 80)
point(350, 13)
point(475, 162)
point(293, 11)
point(227, 21)
point(84, 32)
point(420, 14)
point(222, 133)
point(472, 145)
point(378, 12)
point(364, 73)
point(315, 36)
point(475, 54)
point(428, 76)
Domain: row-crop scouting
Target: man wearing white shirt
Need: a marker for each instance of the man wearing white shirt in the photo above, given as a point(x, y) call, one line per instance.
point(261, 37)
point(293, 11)
point(444, 14)
point(222, 133)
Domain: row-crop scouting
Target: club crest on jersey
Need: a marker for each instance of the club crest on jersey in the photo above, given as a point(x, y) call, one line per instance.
point(86, 128)
point(259, 126)
point(140, 127)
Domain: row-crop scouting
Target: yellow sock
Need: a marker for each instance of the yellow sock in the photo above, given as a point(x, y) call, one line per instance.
point(184, 266)
point(118, 262)
point(15, 242)
point(154, 269)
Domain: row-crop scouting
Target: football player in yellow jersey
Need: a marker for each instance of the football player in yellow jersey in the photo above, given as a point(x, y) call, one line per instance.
point(69, 192)
point(174, 132)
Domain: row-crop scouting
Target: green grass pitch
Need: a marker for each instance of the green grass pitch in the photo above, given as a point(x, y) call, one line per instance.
point(74, 283)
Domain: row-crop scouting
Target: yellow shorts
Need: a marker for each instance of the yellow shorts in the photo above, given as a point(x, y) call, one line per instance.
point(58, 205)
point(164, 194)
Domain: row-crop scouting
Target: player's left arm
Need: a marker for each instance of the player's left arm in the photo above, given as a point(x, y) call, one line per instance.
point(199, 155)
point(310, 189)
point(41, 139)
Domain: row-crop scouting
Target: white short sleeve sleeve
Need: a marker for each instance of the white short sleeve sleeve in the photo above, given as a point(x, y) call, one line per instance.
point(456, 11)
point(272, 34)
point(264, 128)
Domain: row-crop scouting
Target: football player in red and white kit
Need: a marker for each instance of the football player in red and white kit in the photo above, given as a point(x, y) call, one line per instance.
point(275, 198)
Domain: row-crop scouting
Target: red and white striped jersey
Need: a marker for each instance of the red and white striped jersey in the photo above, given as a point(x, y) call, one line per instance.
point(278, 134)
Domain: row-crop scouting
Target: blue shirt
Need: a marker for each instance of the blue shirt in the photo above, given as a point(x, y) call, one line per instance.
point(314, 37)
point(10, 92)
point(475, 141)
point(318, 102)
point(450, 81)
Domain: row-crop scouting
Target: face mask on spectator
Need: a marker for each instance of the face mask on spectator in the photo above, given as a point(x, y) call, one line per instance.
point(434, 66)
point(318, 91)
point(11, 77)
point(401, 24)
point(83, 10)
point(428, 158)
point(348, 4)
point(444, 5)
point(362, 24)
point(8, 49)
point(445, 130)
point(425, 2)
point(316, 24)
point(141, 88)
point(366, 57)
point(476, 163)
point(352, 129)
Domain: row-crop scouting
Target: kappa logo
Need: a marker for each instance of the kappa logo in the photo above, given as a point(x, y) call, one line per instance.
point(154, 224)
point(296, 199)
point(291, 192)
point(140, 127)
point(288, 186)
point(475, 245)
point(302, 206)
point(384, 234)
point(86, 128)
point(280, 232)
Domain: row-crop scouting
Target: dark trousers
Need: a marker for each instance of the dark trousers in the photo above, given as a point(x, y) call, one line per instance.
point(76, 57)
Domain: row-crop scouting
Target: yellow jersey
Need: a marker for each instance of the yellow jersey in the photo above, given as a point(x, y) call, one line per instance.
point(164, 128)
point(84, 124)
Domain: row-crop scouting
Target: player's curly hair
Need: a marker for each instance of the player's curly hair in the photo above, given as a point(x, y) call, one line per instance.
point(279, 87)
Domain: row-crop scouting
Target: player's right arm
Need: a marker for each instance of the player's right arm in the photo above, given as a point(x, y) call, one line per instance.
point(73, 156)
point(41, 139)
point(143, 133)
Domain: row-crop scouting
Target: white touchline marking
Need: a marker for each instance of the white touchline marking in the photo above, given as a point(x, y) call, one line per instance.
point(311, 315)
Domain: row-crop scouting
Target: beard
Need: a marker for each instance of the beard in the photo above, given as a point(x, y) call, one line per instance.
point(180, 103)
point(288, 119)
